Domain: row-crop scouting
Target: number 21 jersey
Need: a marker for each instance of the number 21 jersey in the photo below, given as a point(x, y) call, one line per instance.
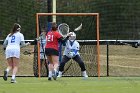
point(52, 38)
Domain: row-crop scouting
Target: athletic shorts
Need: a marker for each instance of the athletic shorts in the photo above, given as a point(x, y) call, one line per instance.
point(12, 53)
point(51, 51)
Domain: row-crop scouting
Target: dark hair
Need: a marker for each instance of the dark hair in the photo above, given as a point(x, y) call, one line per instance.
point(43, 30)
point(16, 28)
point(54, 26)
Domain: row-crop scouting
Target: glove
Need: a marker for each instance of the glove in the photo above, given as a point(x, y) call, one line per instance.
point(28, 43)
point(70, 54)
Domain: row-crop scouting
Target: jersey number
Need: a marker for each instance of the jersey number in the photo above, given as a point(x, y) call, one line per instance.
point(13, 39)
point(50, 38)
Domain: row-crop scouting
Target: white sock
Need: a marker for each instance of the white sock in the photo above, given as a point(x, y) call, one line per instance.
point(60, 73)
point(50, 74)
point(13, 76)
point(7, 70)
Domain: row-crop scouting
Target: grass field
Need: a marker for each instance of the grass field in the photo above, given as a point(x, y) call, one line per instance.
point(122, 63)
point(72, 85)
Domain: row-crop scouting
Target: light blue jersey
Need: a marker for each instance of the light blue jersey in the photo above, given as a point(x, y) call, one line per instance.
point(71, 48)
point(42, 46)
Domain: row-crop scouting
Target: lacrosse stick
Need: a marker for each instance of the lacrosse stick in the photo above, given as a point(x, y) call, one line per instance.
point(64, 29)
point(26, 52)
point(78, 28)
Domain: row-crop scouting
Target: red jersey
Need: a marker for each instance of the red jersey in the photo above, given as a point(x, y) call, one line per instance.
point(52, 39)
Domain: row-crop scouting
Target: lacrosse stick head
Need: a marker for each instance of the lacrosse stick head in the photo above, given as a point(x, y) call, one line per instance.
point(63, 29)
point(27, 53)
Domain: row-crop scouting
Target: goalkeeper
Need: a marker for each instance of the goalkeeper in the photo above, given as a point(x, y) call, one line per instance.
point(71, 51)
point(42, 40)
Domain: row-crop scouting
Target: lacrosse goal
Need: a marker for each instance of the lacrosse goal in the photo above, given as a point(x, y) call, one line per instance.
point(89, 51)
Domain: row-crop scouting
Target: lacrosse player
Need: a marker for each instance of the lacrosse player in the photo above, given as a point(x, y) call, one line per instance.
point(42, 40)
point(51, 50)
point(71, 51)
point(12, 44)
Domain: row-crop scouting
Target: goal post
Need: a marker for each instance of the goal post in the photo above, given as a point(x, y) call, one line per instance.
point(71, 15)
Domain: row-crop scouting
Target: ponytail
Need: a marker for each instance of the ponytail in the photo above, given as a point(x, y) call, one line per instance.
point(16, 28)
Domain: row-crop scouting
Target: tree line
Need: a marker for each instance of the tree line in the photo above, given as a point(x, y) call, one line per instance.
point(119, 19)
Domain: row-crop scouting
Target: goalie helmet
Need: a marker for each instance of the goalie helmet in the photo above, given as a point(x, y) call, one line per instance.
point(72, 37)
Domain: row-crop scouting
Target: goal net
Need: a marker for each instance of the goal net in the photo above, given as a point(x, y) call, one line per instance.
point(89, 51)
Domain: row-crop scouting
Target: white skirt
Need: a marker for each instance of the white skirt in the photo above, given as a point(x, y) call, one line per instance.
point(12, 53)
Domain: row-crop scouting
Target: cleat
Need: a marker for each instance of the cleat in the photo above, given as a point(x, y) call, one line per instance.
point(85, 77)
point(13, 81)
point(59, 76)
point(84, 74)
point(5, 75)
point(54, 75)
point(49, 78)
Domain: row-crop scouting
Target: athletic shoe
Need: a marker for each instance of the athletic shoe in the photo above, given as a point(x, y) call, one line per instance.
point(49, 78)
point(5, 75)
point(86, 76)
point(84, 73)
point(59, 74)
point(54, 75)
point(13, 81)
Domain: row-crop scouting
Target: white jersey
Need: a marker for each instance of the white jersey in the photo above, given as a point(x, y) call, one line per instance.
point(70, 49)
point(13, 46)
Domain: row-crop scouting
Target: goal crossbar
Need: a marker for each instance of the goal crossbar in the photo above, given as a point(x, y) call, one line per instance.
point(68, 14)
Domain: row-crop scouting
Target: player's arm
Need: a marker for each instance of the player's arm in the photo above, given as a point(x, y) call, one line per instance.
point(63, 40)
point(22, 43)
point(5, 44)
point(75, 50)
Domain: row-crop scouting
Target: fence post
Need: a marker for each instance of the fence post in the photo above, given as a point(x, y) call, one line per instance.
point(107, 58)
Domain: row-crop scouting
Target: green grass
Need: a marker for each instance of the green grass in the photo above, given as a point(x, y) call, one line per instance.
point(72, 85)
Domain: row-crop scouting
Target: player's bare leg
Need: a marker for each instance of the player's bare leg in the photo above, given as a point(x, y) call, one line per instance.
point(15, 69)
point(50, 71)
point(50, 67)
point(9, 63)
point(56, 64)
